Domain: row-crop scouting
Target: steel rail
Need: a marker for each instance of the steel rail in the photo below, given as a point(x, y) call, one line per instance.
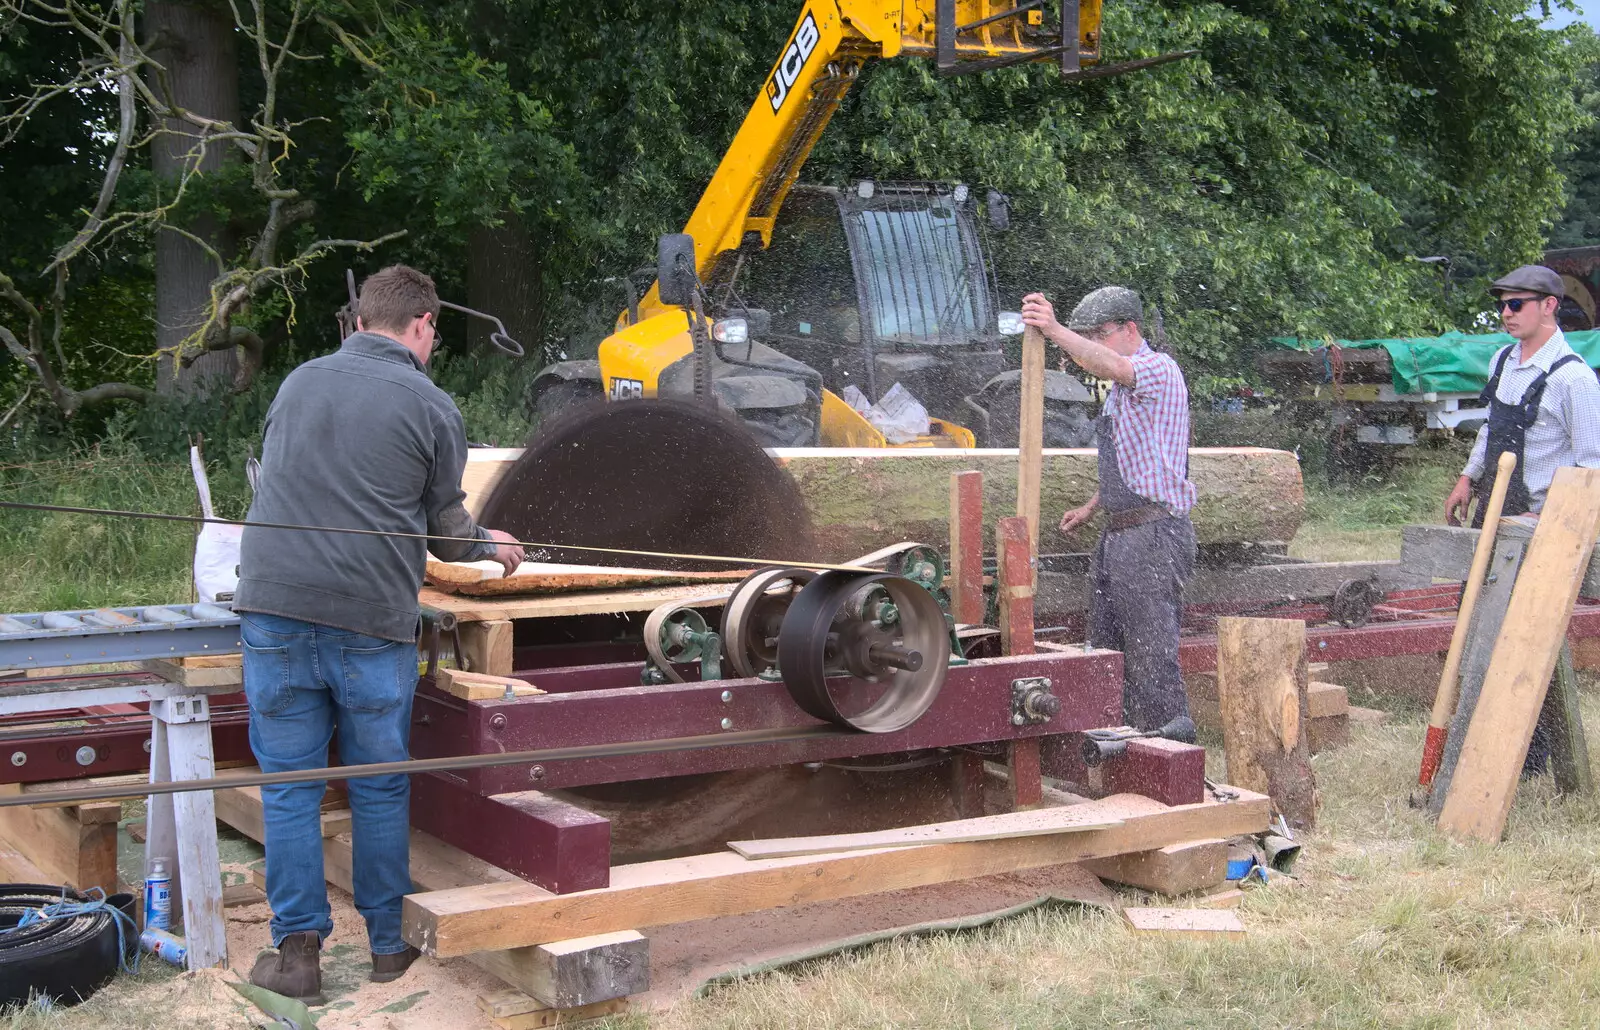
point(781, 735)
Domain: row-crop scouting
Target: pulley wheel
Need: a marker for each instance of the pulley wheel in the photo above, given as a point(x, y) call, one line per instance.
point(893, 665)
point(1351, 605)
point(666, 638)
point(753, 616)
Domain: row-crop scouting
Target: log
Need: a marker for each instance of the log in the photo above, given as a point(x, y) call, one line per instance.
point(1262, 693)
point(860, 500)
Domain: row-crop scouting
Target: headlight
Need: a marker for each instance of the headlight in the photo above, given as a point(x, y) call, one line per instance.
point(1011, 323)
point(735, 330)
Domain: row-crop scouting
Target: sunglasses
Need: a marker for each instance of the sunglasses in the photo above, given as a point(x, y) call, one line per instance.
point(1514, 304)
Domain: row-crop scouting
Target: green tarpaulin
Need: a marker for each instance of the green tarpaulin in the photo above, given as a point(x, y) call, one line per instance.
point(1452, 363)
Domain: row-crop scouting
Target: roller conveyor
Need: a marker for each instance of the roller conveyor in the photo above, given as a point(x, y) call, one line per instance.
point(103, 635)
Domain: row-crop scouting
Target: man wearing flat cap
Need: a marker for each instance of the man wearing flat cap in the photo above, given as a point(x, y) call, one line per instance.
point(1147, 549)
point(1544, 402)
point(1544, 407)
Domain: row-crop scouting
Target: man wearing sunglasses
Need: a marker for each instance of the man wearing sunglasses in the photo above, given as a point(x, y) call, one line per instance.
point(1147, 550)
point(358, 439)
point(1544, 402)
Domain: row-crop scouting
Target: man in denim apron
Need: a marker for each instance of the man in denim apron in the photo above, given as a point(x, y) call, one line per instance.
point(1544, 407)
point(1147, 549)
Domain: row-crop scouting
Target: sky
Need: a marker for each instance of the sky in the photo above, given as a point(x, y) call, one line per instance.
point(1590, 13)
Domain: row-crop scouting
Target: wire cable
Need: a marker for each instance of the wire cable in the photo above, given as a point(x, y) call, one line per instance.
point(399, 534)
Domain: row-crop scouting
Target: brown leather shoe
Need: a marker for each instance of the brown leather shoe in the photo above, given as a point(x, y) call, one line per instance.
point(392, 967)
point(294, 970)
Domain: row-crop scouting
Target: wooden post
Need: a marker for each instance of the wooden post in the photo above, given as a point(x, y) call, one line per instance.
point(966, 783)
point(1030, 433)
point(966, 547)
point(486, 646)
point(1025, 783)
point(1014, 580)
point(1569, 747)
point(1524, 658)
point(1261, 690)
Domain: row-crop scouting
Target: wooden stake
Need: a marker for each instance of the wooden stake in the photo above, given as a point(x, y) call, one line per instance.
point(966, 547)
point(1261, 690)
point(1030, 433)
point(1524, 658)
point(1444, 702)
point(1014, 580)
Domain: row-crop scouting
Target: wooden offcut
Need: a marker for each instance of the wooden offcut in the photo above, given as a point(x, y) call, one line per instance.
point(588, 970)
point(499, 916)
point(1261, 691)
point(1175, 869)
point(1323, 699)
point(473, 686)
point(1524, 658)
point(1198, 923)
point(487, 579)
point(860, 499)
point(1061, 819)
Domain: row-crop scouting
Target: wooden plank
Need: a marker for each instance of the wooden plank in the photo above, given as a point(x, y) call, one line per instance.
point(475, 686)
point(1245, 493)
point(240, 894)
point(137, 784)
point(240, 807)
point(1487, 619)
point(561, 1017)
point(1015, 584)
point(1058, 819)
point(1569, 746)
point(185, 672)
point(1198, 923)
point(586, 970)
point(1445, 552)
point(1524, 658)
point(1174, 869)
point(448, 923)
point(1030, 433)
point(1323, 699)
point(489, 609)
point(487, 647)
point(64, 847)
point(1261, 689)
point(966, 547)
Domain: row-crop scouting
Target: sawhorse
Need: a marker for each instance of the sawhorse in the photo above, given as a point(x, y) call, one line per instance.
point(181, 828)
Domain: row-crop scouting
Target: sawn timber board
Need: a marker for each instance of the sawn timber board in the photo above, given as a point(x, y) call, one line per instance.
point(497, 916)
point(604, 602)
point(1059, 819)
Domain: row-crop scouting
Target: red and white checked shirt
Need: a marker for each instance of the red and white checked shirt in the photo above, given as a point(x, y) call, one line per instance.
point(1150, 424)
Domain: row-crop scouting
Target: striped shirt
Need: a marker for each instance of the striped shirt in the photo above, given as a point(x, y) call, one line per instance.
point(1567, 430)
point(1150, 423)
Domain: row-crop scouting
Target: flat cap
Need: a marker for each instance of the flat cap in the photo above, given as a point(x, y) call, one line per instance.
point(1107, 304)
point(1534, 278)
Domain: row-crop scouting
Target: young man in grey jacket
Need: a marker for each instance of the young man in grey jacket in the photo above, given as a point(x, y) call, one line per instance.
point(359, 439)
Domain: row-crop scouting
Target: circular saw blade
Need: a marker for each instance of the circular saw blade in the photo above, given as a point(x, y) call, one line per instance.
point(650, 475)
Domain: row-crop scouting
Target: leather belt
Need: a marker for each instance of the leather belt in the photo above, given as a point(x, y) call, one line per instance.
point(1137, 516)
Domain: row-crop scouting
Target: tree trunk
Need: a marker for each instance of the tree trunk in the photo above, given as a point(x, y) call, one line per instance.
point(196, 43)
point(861, 500)
point(505, 279)
point(864, 499)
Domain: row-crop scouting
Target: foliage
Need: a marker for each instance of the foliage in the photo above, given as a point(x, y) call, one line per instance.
point(1580, 222)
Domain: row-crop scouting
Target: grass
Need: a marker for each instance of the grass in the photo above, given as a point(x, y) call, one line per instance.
point(1389, 925)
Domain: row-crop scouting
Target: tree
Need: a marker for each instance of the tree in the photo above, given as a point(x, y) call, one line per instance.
point(113, 62)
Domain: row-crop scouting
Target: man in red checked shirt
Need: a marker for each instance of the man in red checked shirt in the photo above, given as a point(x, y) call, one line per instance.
point(1147, 549)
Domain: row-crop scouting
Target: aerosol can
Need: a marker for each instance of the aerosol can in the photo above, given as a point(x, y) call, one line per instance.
point(158, 896)
point(165, 946)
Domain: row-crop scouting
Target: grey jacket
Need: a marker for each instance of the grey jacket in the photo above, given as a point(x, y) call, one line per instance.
point(358, 439)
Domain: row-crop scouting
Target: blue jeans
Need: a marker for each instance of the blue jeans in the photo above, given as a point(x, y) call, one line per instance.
point(304, 680)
